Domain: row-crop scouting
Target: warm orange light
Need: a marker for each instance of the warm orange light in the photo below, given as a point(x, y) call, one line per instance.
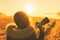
point(28, 9)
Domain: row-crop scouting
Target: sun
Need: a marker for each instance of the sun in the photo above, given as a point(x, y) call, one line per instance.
point(28, 9)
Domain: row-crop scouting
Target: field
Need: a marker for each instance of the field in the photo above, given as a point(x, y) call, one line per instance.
point(54, 33)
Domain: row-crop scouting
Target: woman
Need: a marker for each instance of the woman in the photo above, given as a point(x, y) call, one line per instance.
point(23, 31)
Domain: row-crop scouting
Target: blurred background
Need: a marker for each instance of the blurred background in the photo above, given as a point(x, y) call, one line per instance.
point(37, 10)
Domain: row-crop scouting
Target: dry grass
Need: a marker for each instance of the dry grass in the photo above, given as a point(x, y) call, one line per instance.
point(53, 35)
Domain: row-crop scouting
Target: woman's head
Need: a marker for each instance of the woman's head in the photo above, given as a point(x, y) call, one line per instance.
point(21, 20)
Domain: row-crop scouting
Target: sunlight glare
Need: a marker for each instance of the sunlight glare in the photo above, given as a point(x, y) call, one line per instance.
point(28, 9)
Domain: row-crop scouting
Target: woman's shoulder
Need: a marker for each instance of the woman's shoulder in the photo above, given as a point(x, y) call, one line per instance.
point(22, 33)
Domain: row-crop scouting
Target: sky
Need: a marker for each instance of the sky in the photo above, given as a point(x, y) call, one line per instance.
point(41, 7)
